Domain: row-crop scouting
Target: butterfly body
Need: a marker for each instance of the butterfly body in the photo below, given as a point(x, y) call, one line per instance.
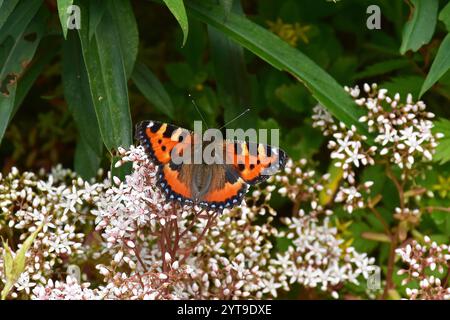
point(212, 185)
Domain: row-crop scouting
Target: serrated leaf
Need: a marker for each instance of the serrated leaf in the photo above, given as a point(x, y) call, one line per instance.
point(420, 28)
point(179, 12)
point(440, 66)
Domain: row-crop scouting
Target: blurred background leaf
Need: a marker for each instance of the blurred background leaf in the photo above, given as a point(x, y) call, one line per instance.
point(179, 12)
point(106, 65)
point(79, 100)
point(18, 43)
point(440, 66)
point(419, 30)
point(232, 79)
point(282, 56)
point(152, 89)
point(443, 149)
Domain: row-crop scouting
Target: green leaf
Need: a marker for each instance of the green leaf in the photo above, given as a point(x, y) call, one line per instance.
point(87, 160)
point(152, 89)
point(63, 6)
point(45, 53)
point(18, 44)
point(6, 8)
point(16, 52)
point(295, 96)
point(15, 266)
point(282, 56)
point(381, 68)
point(329, 190)
point(404, 84)
point(442, 154)
point(19, 19)
point(121, 171)
point(126, 31)
point(232, 79)
point(440, 66)
point(420, 28)
point(47, 50)
point(105, 66)
point(96, 11)
point(88, 153)
point(358, 229)
point(444, 16)
point(227, 5)
point(179, 12)
point(8, 260)
point(181, 74)
point(6, 110)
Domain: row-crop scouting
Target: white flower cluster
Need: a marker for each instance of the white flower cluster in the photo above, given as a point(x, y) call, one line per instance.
point(402, 129)
point(301, 184)
point(316, 257)
point(131, 205)
point(233, 259)
point(68, 290)
point(58, 203)
point(232, 262)
point(402, 136)
point(421, 261)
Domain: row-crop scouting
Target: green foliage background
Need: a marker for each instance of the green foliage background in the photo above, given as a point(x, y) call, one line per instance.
point(72, 96)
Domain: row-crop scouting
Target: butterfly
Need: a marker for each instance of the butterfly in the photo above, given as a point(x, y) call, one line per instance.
point(212, 186)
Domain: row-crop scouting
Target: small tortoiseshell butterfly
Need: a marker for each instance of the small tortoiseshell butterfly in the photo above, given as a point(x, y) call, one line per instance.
point(210, 186)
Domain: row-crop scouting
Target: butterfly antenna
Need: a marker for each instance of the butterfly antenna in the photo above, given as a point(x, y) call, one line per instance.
point(198, 110)
point(235, 118)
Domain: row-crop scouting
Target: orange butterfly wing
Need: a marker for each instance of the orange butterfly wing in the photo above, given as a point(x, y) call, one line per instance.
point(250, 164)
point(255, 162)
point(229, 193)
point(159, 139)
point(171, 183)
